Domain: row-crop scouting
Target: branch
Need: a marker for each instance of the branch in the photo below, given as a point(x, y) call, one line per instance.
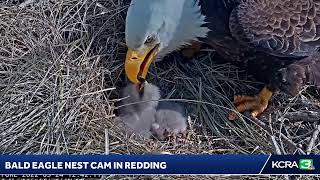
point(306, 116)
point(266, 128)
point(313, 139)
point(275, 145)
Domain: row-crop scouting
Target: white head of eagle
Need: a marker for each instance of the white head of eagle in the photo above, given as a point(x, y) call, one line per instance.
point(155, 28)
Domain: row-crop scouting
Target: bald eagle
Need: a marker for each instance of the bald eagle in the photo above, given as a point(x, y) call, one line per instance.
point(277, 41)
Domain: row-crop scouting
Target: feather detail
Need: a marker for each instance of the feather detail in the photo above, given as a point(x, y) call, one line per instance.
point(190, 27)
point(279, 27)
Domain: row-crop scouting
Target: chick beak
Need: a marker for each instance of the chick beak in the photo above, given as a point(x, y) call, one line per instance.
point(137, 64)
point(141, 87)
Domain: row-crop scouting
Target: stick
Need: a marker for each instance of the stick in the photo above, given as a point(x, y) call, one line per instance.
point(292, 144)
point(275, 145)
point(106, 136)
point(313, 139)
point(26, 3)
point(307, 116)
point(265, 127)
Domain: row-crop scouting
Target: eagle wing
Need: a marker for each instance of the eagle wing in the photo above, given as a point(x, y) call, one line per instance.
point(287, 28)
point(278, 27)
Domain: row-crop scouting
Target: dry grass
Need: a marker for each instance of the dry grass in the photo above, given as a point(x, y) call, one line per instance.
point(61, 68)
point(57, 76)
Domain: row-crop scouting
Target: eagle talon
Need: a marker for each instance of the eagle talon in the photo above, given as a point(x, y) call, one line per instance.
point(257, 104)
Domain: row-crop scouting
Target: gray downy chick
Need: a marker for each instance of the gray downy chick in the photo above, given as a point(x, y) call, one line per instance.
point(139, 117)
point(170, 118)
point(143, 99)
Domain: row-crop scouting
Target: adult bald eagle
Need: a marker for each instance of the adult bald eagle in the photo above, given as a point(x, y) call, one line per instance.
point(275, 40)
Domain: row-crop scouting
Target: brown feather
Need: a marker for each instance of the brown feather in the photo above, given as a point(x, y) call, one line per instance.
point(263, 36)
point(296, 22)
point(296, 75)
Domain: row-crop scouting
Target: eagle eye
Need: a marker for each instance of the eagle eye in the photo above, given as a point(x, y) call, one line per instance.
point(149, 40)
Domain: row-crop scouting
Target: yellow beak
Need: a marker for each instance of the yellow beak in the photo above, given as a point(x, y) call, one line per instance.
point(137, 64)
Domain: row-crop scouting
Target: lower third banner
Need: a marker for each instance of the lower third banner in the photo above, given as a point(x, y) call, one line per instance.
point(157, 164)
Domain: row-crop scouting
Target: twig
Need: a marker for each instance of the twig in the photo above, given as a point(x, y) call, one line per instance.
point(292, 143)
point(26, 3)
point(106, 137)
point(275, 145)
point(306, 116)
point(266, 128)
point(313, 139)
point(91, 93)
point(280, 130)
point(273, 139)
point(286, 177)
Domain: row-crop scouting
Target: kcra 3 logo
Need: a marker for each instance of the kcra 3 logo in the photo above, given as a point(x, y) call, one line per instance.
point(302, 164)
